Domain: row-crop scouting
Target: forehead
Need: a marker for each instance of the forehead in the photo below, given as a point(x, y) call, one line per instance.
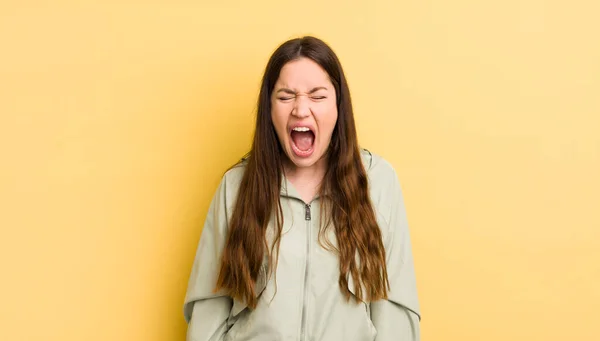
point(303, 73)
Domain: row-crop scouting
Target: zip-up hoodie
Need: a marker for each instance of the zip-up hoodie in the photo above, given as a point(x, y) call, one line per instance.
point(303, 301)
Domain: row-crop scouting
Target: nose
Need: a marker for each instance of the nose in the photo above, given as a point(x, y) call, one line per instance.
point(301, 107)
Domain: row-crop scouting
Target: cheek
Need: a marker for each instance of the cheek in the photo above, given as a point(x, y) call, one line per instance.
point(327, 120)
point(279, 119)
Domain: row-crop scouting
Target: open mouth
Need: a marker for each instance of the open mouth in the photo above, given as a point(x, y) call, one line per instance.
point(302, 141)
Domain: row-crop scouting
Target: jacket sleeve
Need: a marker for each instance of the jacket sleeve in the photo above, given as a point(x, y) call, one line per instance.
point(398, 317)
point(206, 311)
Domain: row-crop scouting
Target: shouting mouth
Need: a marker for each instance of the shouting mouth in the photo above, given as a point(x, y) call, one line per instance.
point(302, 140)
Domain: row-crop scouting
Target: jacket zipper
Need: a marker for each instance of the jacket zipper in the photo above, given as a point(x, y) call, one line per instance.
point(307, 217)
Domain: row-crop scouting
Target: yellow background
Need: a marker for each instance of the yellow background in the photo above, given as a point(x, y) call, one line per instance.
point(118, 119)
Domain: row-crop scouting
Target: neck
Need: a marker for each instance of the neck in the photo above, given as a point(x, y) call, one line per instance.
point(306, 175)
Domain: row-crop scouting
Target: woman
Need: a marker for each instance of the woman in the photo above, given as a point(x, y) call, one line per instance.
point(306, 238)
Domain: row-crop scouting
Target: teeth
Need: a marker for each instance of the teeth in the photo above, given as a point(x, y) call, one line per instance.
point(301, 129)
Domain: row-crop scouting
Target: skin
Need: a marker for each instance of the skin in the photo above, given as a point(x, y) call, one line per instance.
point(304, 95)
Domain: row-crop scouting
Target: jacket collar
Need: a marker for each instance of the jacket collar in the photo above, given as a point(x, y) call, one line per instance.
point(288, 189)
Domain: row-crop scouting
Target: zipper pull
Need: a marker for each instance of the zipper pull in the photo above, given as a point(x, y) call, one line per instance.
point(307, 212)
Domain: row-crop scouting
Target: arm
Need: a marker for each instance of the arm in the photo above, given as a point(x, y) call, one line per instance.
point(208, 321)
point(205, 311)
point(398, 317)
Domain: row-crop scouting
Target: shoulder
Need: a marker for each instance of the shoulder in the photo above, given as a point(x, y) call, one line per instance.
point(234, 175)
point(230, 181)
point(380, 172)
point(384, 186)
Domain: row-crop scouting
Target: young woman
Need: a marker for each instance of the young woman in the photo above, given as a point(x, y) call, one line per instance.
point(306, 238)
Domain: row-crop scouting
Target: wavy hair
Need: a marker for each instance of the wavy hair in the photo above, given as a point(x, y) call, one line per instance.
point(344, 191)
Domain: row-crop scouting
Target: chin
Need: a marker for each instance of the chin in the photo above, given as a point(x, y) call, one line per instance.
point(303, 162)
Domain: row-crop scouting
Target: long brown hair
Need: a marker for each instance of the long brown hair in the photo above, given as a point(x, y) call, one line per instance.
point(344, 190)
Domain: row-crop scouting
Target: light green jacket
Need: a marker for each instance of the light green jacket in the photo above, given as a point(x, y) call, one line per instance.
point(304, 301)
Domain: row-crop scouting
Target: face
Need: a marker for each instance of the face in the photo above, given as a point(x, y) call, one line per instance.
point(304, 111)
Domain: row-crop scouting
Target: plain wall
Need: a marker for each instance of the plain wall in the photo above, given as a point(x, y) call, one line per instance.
point(119, 118)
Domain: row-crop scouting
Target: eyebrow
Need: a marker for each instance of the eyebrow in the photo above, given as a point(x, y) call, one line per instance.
point(292, 92)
